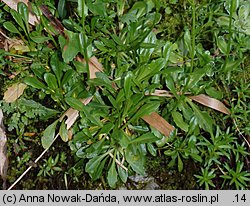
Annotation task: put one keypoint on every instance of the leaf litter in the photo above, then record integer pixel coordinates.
(3, 151)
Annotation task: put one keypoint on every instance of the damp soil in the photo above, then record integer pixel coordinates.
(158, 175)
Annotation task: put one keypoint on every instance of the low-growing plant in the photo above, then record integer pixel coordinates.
(50, 166)
(111, 68)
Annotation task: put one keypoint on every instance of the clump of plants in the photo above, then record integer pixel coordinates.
(116, 89)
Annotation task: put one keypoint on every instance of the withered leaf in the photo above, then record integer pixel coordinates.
(72, 115)
(159, 123)
(210, 102)
(3, 151)
(94, 66)
(14, 92)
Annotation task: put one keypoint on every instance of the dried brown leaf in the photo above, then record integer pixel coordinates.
(94, 66)
(14, 92)
(3, 151)
(159, 123)
(164, 93)
(98, 66)
(73, 114)
(13, 4)
(210, 102)
(53, 20)
(161, 93)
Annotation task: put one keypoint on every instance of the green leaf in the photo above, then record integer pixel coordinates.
(99, 170)
(24, 12)
(80, 67)
(170, 152)
(123, 174)
(152, 149)
(99, 45)
(179, 121)
(103, 80)
(212, 92)
(18, 18)
(93, 165)
(150, 69)
(81, 3)
(61, 8)
(171, 85)
(232, 65)
(187, 41)
(34, 82)
(85, 45)
(135, 159)
(67, 76)
(146, 109)
(78, 105)
(244, 12)
(145, 138)
(50, 79)
(10, 27)
(75, 103)
(56, 66)
(98, 8)
(167, 49)
(162, 141)
(95, 149)
(124, 141)
(49, 135)
(222, 44)
(107, 128)
(71, 47)
(127, 84)
(117, 39)
(63, 132)
(34, 107)
(203, 119)
(91, 116)
(58, 169)
(112, 174)
(196, 157)
(39, 39)
(223, 21)
(195, 77)
(180, 164)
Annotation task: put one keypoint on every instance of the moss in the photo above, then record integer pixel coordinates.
(173, 20)
(169, 178)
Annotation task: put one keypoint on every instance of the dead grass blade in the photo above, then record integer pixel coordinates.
(119, 163)
(210, 102)
(161, 93)
(159, 123)
(3, 151)
(164, 93)
(14, 92)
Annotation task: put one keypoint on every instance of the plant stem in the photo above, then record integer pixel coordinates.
(82, 36)
(193, 35)
(232, 5)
